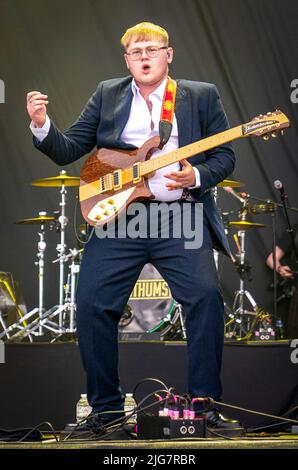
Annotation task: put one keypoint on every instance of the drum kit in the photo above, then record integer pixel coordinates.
(59, 319)
(170, 323)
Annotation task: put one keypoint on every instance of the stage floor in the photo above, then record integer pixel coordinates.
(249, 443)
(43, 382)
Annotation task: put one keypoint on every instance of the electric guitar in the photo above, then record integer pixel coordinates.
(111, 179)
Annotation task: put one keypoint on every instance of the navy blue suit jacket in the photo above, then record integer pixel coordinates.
(199, 114)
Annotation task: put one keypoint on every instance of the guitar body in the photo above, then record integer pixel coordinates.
(99, 208)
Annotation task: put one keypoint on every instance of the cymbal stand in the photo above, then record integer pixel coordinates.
(215, 252)
(232, 319)
(61, 247)
(40, 263)
(231, 322)
(61, 250)
(239, 297)
(70, 291)
(27, 328)
(68, 324)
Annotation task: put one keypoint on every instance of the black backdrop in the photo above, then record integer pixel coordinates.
(64, 47)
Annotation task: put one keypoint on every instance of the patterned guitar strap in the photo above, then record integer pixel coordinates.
(167, 112)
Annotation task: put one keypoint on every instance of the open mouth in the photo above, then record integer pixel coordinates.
(146, 68)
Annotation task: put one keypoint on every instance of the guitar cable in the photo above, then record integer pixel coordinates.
(79, 240)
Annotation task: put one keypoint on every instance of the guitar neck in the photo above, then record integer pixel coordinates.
(188, 151)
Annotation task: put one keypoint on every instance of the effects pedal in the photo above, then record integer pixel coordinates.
(163, 427)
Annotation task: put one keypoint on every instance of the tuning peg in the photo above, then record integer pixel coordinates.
(266, 137)
(269, 114)
(273, 134)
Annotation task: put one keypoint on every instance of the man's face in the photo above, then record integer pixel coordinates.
(148, 71)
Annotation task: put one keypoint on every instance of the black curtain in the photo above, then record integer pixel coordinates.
(64, 47)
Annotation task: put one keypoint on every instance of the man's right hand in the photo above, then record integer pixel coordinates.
(285, 271)
(36, 107)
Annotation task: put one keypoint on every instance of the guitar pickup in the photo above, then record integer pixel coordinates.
(117, 177)
(136, 178)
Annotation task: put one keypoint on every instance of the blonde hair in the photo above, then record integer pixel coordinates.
(145, 31)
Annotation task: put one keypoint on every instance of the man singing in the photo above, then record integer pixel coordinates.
(124, 113)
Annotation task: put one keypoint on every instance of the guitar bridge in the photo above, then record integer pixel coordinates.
(105, 183)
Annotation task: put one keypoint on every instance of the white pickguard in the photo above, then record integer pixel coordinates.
(109, 207)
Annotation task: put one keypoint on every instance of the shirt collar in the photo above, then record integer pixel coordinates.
(159, 92)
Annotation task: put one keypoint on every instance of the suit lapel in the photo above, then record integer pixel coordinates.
(122, 107)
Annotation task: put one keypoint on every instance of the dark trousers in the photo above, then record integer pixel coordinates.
(109, 271)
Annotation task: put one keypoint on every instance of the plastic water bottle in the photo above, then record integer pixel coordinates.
(83, 409)
(129, 406)
(280, 333)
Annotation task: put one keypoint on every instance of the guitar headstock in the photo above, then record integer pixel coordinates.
(266, 125)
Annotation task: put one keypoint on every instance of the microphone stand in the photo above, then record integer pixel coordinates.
(274, 264)
(284, 197)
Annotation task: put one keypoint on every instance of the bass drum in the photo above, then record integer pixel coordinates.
(150, 305)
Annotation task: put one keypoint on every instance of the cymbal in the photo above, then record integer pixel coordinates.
(57, 181)
(244, 224)
(42, 219)
(231, 184)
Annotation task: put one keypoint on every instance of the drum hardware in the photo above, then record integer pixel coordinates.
(22, 327)
(58, 222)
(151, 310)
(243, 269)
(245, 225)
(239, 318)
(261, 327)
(215, 252)
(223, 184)
(9, 299)
(262, 208)
(269, 206)
(68, 309)
(232, 324)
(286, 288)
(126, 317)
(246, 325)
(70, 290)
(172, 326)
(62, 181)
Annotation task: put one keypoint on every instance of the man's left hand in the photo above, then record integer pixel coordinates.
(185, 178)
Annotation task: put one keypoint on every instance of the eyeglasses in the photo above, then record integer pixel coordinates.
(152, 51)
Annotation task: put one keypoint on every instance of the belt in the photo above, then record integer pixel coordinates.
(185, 197)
